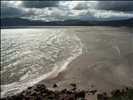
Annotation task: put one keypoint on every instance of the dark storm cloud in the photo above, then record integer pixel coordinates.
(57, 10)
(115, 5)
(11, 12)
(7, 10)
(40, 4)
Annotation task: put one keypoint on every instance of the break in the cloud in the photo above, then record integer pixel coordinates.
(82, 6)
(65, 10)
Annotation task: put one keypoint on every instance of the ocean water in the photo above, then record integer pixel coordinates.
(29, 55)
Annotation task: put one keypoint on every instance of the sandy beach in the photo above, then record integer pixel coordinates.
(66, 50)
(85, 78)
(92, 72)
(88, 75)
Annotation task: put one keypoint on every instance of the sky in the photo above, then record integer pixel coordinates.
(66, 10)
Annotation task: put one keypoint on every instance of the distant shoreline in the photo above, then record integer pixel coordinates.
(12, 27)
(26, 22)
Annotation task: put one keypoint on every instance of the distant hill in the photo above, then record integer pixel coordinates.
(128, 22)
(26, 22)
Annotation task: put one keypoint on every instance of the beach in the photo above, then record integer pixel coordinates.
(104, 65)
(83, 72)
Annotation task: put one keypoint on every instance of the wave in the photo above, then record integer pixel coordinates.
(51, 54)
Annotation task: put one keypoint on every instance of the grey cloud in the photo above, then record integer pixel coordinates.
(115, 5)
(39, 4)
(7, 10)
(81, 6)
(11, 12)
(80, 11)
(4, 4)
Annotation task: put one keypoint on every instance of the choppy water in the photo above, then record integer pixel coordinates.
(29, 55)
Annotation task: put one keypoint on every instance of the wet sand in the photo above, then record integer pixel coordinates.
(89, 75)
(88, 82)
(85, 78)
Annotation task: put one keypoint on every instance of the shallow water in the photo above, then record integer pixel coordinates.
(29, 55)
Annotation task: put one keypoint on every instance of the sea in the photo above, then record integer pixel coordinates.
(32, 54)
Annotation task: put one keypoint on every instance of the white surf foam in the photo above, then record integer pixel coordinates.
(116, 48)
(24, 82)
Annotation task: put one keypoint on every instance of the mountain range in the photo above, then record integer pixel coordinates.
(26, 22)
